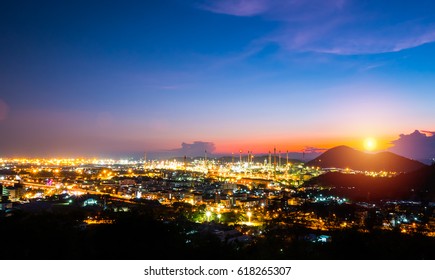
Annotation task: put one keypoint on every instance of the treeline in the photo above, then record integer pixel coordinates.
(138, 235)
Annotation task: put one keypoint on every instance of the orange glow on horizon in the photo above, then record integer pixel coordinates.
(263, 147)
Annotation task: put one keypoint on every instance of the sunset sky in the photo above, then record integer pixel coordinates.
(93, 78)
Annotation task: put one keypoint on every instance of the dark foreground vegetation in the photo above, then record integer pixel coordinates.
(140, 235)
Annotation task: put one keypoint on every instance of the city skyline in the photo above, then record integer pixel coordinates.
(99, 79)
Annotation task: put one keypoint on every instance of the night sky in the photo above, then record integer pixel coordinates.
(91, 78)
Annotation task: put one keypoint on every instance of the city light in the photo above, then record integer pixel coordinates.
(221, 189)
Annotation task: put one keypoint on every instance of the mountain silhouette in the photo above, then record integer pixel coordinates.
(346, 157)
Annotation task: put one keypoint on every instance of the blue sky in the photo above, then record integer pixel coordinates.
(101, 77)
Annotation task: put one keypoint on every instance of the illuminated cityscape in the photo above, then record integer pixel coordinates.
(238, 202)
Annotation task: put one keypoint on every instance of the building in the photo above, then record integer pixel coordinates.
(5, 203)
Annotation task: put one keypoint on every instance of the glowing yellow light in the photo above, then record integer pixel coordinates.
(208, 214)
(370, 144)
(249, 214)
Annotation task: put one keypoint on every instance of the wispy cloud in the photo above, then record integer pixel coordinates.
(285, 10)
(343, 27)
(236, 7)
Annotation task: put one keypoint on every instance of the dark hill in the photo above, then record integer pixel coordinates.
(346, 157)
(418, 185)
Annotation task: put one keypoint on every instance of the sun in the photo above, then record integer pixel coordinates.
(370, 144)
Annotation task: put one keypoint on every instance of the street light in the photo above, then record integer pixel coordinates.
(208, 214)
(249, 216)
(219, 217)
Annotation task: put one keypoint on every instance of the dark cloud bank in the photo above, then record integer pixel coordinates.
(419, 145)
(195, 149)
